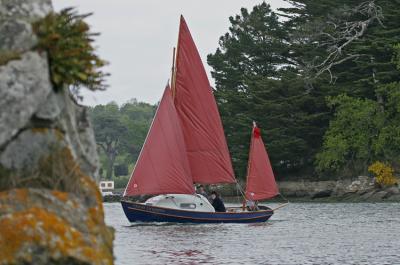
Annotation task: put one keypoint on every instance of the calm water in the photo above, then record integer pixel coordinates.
(301, 233)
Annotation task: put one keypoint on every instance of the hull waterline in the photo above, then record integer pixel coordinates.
(138, 212)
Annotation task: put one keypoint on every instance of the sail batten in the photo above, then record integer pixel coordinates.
(260, 177)
(162, 166)
(206, 146)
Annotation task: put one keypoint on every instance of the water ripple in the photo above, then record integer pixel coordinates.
(302, 233)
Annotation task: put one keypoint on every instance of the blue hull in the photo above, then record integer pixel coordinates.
(137, 212)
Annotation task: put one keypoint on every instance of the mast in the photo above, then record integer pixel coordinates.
(173, 72)
(174, 56)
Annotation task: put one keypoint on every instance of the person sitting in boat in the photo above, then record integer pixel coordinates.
(202, 191)
(251, 205)
(217, 203)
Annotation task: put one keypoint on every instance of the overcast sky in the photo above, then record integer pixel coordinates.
(137, 37)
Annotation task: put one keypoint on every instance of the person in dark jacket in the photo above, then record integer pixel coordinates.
(202, 191)
(217, 203)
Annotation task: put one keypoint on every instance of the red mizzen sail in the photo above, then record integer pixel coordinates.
(205, 141)
(162, 166)
(260, 177)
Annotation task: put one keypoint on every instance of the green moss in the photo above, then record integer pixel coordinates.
(6, 56)
(69, 44)
(40, 130)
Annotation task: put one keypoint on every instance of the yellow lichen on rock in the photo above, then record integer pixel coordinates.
(40, 130)
(20, 195)
(34, 226)
(90, 186)
(44, 229)
(62, 196)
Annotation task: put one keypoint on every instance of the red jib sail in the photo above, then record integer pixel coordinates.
(162, 166)
(260, 177)
(207, 150)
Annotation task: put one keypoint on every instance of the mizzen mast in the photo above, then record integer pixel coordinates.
(173, 72)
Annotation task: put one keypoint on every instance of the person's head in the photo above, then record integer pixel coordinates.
(214, 194)
(201, 188)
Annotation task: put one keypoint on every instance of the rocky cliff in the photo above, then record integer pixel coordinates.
(50, 208)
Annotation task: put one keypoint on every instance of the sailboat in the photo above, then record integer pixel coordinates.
(186, 145)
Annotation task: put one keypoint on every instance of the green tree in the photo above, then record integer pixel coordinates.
(363, 131)
(346, 45)
(136, 118)
(388, 142)
(257, 79)
(348, 143)
(121, 131)
(109, 131)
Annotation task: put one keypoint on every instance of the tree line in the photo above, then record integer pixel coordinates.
(120, 132)
(321, 78)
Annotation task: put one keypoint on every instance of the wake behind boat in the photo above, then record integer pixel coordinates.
(186, 145)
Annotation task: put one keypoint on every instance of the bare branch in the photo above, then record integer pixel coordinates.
(339, 33)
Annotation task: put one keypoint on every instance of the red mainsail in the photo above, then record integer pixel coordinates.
(205, 141)
(162, 166)
(260, 177)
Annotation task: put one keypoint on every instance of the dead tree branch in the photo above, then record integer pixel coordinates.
(338, 33)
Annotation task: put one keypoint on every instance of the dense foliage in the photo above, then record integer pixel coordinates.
(350, 141)
(257, 79)
(320, 77)
(384, 173)
(120, 132)
(67, 39)
(362, 131)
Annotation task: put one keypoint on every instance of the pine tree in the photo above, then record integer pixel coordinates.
(370, 54)
(257, 79)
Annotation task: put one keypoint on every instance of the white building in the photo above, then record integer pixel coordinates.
(106, 187)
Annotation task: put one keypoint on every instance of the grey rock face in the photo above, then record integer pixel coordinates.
(367, 195)
(22, 9)
(28, 147)
(16, 35)
(51, 107)
(394, 198)
(362, 183)
(75, 122)
(393, 190)
(305, 188)
(322, 194)
(378, 195)
(50, 206)
(24, 86)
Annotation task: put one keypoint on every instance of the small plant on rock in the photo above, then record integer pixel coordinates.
(67, 39)
(6, 56)
(384, 173)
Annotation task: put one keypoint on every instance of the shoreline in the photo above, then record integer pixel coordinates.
(360, 189)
